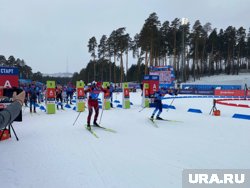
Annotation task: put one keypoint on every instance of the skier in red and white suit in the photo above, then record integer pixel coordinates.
(94, 90)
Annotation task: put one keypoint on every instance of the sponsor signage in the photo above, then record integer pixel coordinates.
(80, 96)
(229, 92)
(51, 97)
(197, 92)
(106, 96)
(165, 73)
(204, 92)
(125, 96)
(145, 96)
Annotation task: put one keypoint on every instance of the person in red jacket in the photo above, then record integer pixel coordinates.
(59, 99)
(94, 90)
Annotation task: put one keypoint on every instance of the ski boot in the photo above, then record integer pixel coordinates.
(96, 124)
(152, 117)
(88, 126)
(159, 118)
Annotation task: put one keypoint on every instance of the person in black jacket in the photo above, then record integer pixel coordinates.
(59, 98)
(32, 97)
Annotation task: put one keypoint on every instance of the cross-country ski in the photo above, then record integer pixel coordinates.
(91, 131)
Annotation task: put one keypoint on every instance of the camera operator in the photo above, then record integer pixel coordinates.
(11, 112)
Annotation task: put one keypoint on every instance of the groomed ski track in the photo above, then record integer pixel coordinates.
(51, 152)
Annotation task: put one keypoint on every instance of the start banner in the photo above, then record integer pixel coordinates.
(153, 84)
(9, 77)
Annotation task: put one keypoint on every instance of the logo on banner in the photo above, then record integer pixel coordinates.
(126, 93)
(107, 95)
(80, 92)
(51, 93)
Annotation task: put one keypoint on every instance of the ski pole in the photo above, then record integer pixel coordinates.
(171, 103)
(77, 118)
(101, 117)
(142, 108)
(103, 106)
(176, 93)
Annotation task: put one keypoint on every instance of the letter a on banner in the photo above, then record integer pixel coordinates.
(7, 84)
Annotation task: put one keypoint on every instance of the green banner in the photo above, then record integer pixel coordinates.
(125, 96)
(80, 106)
(80, 103)
(105, 85)
(106, 96)
(146, 86)
(51, 84)
(125, 85)
(80, 84)
(145, 98)
(50, 103)
(126, 104)
(51, 108)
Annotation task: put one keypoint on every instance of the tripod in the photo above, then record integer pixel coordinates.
(9, 127)
(214, 107)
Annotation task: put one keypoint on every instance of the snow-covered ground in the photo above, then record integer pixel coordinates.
(241, 79)
(51, 152)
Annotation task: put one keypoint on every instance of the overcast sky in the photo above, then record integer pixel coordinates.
(49, 33)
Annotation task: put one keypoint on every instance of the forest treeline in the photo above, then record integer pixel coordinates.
(25, 71)
(194, 51)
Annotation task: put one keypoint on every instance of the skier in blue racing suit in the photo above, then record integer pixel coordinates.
(158, 96)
